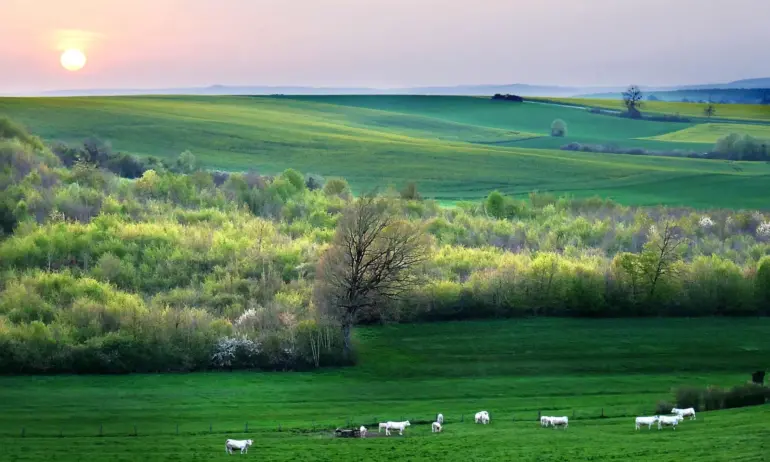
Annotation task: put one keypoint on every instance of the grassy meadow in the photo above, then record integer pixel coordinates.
(455, 148)
(513, 369)
(738, 112)
(710, 133)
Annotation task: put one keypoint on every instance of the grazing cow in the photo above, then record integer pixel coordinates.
(435, 427)
(669, 421)
(400, 426)
(362, 430)
(649, 421)
(243, 445)
(440, 418)
(689, 412)
(482, 417)
(382, 425)
(559, 421)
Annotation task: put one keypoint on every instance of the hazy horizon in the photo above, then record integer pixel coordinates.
(155, 44)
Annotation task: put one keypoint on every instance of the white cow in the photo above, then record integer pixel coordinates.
(440, 418)
(243, 445)
(669, 421)
(559, 421)
(482, 417)
(382, 425)
(400, 426)
(649, 421)
(436, 427)
(689, 412)
(362, 430)
(545, 421)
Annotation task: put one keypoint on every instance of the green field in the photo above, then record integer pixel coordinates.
(710, 133)
(455, 148)
(513, 369)
(746, 112)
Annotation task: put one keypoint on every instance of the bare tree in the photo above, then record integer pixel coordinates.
(709, 110)
(660, 255)
(371, 262)
(632, 100)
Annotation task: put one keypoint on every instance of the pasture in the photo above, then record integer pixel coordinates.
(738, 112)
(710, 133)
(513, 369)
(455, 148)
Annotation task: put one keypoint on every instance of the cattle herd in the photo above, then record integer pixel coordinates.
(482, 417)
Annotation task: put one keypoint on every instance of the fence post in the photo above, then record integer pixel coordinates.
(602, 412)
(573, 414)
(61, 433)
(135, 432)
(279, 426)
(101, 430)
(314, 425)
(348, 425)
(462, 417)
(247, 428)
(23, 431)
(539, 415)
(210, 428)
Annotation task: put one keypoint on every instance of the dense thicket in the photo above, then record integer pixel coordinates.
(184, 269)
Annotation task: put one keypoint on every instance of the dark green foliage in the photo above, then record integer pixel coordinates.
(742, 147)
(716, 398)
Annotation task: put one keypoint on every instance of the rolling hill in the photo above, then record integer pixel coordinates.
(455, 148)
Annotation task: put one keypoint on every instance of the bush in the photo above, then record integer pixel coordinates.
(559, 128)
(664, 407)
(336, 187)
(688, 397)
(715, 398)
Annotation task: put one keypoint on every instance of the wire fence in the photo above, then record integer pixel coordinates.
(126, 429)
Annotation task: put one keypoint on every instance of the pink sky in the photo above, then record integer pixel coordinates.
(382, 43)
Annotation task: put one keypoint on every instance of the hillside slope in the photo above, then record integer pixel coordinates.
(455, 147)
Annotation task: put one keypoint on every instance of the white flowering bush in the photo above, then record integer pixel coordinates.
(764, 229)
(249, 320)
(706, 222)
(235, 352)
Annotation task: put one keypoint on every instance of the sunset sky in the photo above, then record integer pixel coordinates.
(380, 43)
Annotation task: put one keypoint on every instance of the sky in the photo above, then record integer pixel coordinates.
(381, 43)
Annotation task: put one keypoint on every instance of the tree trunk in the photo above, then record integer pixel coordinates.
(347, 348)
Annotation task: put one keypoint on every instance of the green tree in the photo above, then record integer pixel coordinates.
(558, 128)
(495, 205)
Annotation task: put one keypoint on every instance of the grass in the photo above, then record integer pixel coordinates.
(710, 133)
(746, 112)
(455, 148)
(511, 368)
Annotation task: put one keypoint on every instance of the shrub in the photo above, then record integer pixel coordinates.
(715, 398)
(664, 407)
(336, 187)
(559, 128)
(688, 397)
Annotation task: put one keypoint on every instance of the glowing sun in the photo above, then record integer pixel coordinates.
(73, 60)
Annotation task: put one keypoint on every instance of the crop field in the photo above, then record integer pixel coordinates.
(710, 133)
(746, 112)
(454, 148)
(513, 369)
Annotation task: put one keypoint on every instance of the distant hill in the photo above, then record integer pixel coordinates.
(745, 84)
(470, 90)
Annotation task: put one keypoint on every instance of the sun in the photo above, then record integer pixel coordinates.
(73, 59)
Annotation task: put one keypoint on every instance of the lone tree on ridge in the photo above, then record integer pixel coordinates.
(632, 100)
